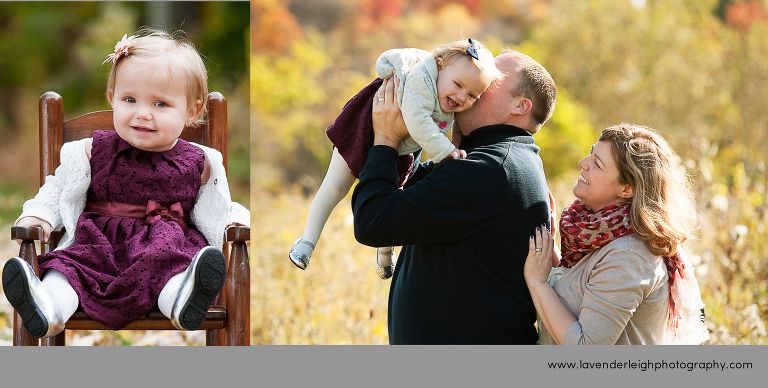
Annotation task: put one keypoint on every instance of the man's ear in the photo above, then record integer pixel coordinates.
(521, 106)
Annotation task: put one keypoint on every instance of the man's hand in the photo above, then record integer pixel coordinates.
(34, 221)
(388, 125)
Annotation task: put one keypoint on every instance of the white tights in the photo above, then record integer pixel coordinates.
(63, 294)
(336, 184)
(66, 298)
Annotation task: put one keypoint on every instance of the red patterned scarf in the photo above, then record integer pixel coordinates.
(583, 230)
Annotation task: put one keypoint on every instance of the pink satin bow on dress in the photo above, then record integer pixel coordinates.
(148, 215)
(155, 212)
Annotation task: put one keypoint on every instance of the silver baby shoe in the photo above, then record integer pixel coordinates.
(203, 280)
(39, 312)
(384, 254)
(297, 258)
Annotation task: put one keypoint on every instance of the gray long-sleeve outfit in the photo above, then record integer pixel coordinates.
(417, 97)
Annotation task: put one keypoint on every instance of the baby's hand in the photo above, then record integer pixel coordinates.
(34, 221)
(456, 138)
(457, 154)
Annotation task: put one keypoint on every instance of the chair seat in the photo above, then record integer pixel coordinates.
(154, 320)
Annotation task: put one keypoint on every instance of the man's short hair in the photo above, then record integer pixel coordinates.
(535, 83)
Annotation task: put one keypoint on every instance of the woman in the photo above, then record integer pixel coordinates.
(623, 276)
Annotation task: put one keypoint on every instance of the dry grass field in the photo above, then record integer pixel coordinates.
(340, 300)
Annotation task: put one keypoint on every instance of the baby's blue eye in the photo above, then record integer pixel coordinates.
(161, 104)
(129, 99)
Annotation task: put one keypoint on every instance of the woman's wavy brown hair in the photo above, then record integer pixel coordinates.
(662, 213)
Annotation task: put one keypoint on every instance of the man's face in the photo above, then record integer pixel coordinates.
(495, 105)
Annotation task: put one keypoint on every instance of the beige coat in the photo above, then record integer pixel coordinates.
(619, 295)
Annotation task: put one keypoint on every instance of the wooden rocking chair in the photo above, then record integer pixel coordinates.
(227, 323)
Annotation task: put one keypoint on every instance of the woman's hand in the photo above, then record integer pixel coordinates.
(34, 221)
(388, 125)
(554, 315)
(538, 264)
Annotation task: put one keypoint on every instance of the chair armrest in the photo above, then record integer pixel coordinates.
(238, 233)
(27, 233)
(34, 233)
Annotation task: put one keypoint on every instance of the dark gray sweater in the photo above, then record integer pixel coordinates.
(464, 227)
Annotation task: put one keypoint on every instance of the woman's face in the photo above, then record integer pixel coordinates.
(598, 184)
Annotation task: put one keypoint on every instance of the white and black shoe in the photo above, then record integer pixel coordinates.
(385, 254)
(298, 258)
(39, 312)
(202, 282)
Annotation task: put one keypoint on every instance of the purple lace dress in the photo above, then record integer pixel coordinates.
(117, 265)
(352, 133)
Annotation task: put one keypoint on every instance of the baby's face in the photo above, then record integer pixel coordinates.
(151, 109)
(458, 85)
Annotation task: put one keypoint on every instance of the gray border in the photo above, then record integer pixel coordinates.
(365, 366)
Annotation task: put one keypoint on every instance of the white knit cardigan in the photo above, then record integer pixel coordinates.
(62, 198)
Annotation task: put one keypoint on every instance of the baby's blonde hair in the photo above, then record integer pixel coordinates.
(173, 52)
(450, 52)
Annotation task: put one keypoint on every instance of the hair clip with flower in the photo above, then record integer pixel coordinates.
(472, 50)
(121, 48)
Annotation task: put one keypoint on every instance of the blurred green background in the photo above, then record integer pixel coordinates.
(697, 70)
(59, 46)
